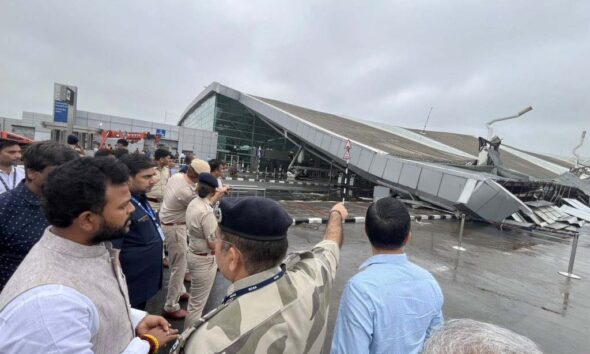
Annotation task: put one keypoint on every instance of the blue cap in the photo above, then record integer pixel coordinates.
(254, 218)
(208, 179)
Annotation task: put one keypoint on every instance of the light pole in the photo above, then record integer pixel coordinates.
(489, 124)
(577, 147)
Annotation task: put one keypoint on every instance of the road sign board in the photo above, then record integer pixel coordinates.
(348, 145)
(346, 155)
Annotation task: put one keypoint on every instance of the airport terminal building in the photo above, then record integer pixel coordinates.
(437, 167)
(261, 136)
(242, 133)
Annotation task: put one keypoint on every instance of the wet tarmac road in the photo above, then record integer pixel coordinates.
(506, 278)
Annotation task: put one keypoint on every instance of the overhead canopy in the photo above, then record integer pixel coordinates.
(425, 164)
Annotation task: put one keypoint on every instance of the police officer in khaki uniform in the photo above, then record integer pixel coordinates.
(272, 306)
(180, 191)
(201, 224)
(155, 196)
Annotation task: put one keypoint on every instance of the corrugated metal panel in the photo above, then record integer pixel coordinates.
(577, 204)
(576, 212)
(382, 140)
(469, 144)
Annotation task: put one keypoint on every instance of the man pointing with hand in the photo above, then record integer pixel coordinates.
(273, 305)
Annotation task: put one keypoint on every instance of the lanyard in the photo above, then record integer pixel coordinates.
(8, 180)
(150, 212)
(254, 287)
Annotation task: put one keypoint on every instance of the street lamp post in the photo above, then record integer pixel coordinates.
(577, 147)
(489, 124)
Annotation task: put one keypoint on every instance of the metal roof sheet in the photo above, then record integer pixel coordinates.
(390, 143)
(397, 145)
(470, 144)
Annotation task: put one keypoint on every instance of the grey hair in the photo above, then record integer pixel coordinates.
(466, 336)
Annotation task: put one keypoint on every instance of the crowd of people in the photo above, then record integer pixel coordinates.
(84, 241)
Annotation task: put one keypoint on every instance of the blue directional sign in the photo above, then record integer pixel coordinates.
(60, 111)
(161, 132)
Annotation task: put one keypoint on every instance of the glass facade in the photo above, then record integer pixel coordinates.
(202, 117)
(241, 133)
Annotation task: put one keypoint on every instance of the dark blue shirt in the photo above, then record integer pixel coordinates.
(22, 224)
(141, 254)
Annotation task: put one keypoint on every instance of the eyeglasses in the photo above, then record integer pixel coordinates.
(213, 237)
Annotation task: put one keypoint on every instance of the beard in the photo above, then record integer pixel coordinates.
(109, 232)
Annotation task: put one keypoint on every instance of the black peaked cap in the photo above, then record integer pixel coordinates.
(208, 179)
(254, 218)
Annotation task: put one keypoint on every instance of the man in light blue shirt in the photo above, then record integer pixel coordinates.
(392, 305)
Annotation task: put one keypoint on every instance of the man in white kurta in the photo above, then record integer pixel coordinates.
(69, 293)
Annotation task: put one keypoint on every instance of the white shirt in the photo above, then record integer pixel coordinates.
(12, 179)
(56, 319)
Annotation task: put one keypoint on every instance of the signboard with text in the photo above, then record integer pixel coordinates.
(60, 111)
(65, 98)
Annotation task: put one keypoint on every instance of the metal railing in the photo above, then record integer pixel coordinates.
(236, 191)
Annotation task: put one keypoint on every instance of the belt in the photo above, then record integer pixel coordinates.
(174, 223)
(205, 253)
(153, 200)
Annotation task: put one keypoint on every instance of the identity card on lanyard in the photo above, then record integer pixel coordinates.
(150, 212)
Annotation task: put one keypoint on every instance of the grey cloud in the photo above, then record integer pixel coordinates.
(379, 60)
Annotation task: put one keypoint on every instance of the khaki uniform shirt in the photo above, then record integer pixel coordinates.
(286, 316)
(178, 194)
(200, 223)
(161, 178)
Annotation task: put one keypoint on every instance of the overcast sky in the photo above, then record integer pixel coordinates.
(386, 61)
